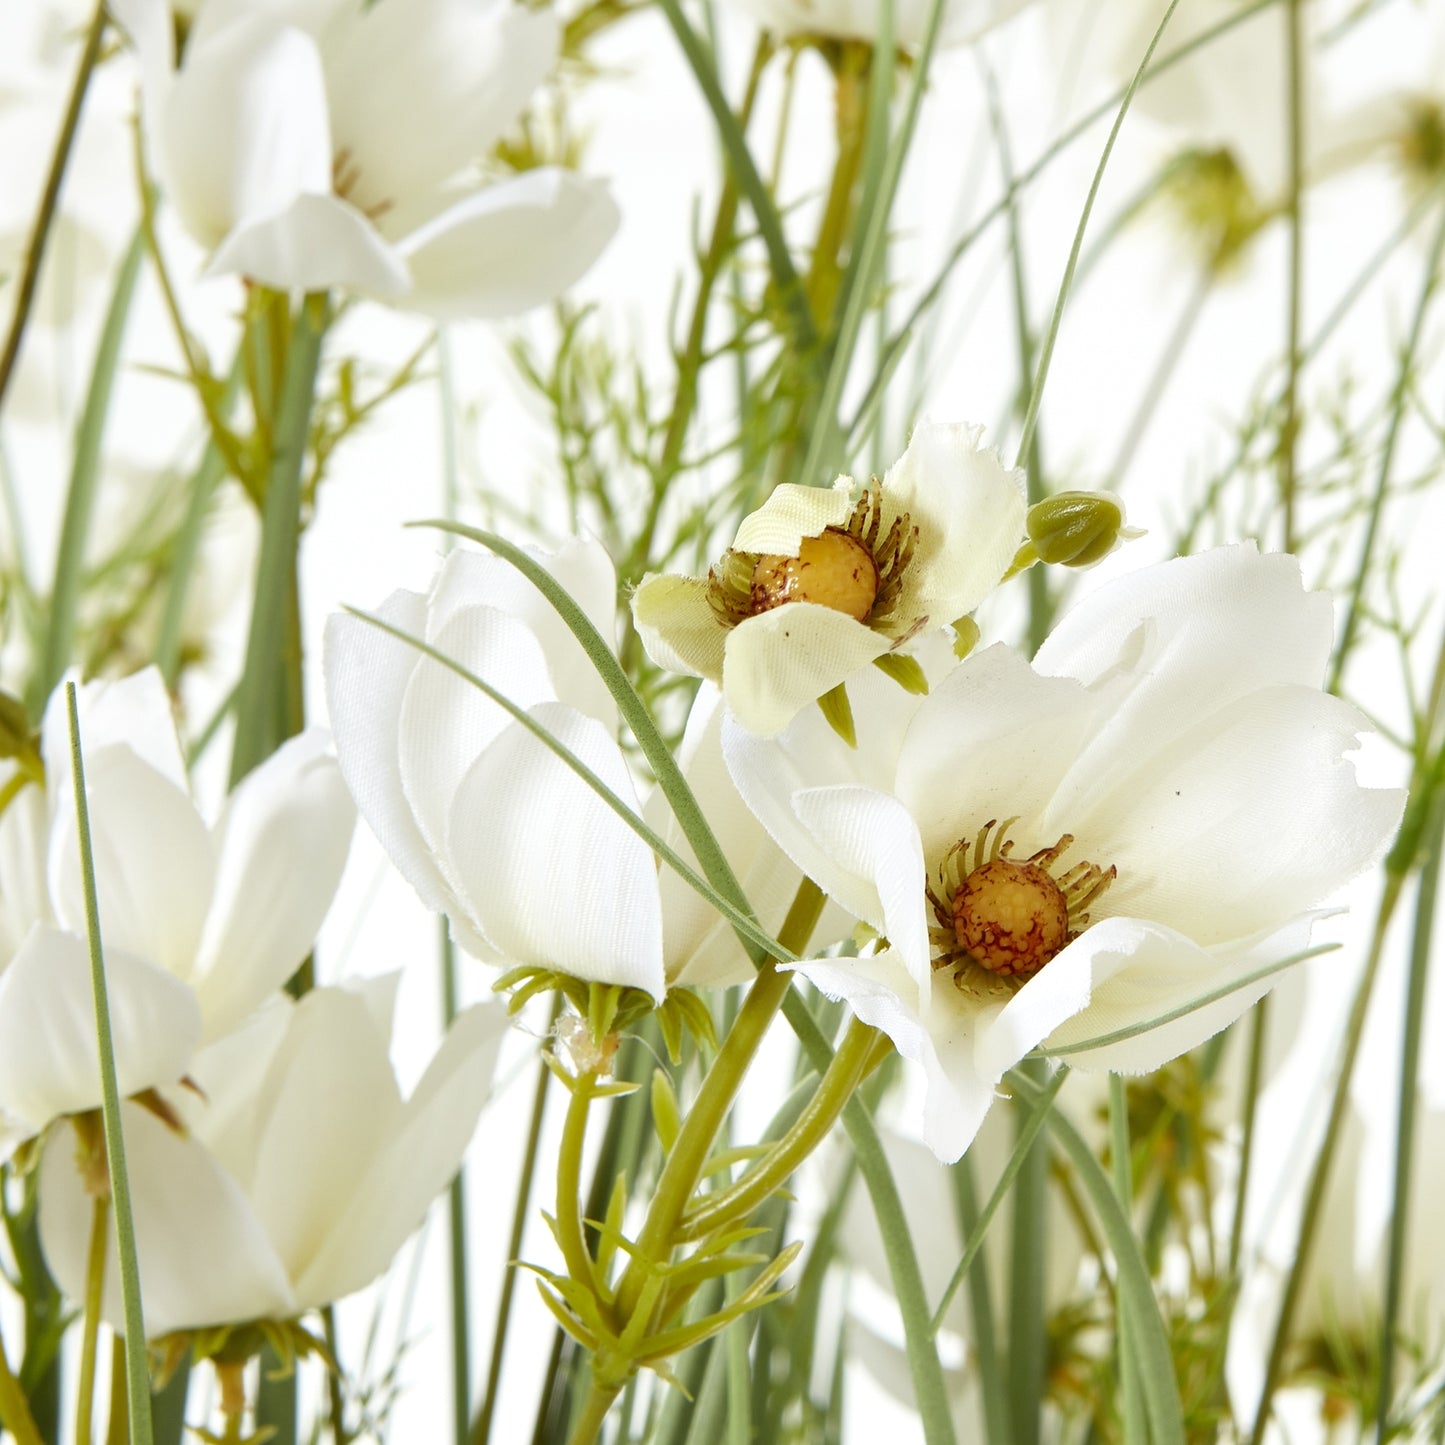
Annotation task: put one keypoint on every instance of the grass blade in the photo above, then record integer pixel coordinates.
(138, 1385)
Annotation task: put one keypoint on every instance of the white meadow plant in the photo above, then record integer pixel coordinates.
(203, 921)
(1070, 852)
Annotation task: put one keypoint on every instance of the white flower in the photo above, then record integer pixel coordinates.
(528, 863)
(963, 20)
(818, 582)
(300, 1171)
(320, 143)
(1172, 733)
(200, 923)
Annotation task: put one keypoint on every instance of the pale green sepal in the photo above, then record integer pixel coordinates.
(965, 637)
(666, 1116)
(906, 671)
(836, 708)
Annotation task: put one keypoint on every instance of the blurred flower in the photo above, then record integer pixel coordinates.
(319, 143)
(200, 923)
(300, 1169)
(529, 865)
(1058, 853)
(963, 20)
(820, 582)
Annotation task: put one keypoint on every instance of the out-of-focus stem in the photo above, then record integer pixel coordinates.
(90, 1330)
(50, 198)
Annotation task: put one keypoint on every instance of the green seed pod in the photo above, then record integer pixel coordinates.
(1077, 529)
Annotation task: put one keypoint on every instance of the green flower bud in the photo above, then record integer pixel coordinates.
(1077, 529)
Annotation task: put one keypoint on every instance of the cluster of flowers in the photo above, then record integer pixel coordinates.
(1102, 851)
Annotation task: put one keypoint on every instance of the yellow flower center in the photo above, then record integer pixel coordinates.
(835, 570)
(851, 569)
(1009, 918)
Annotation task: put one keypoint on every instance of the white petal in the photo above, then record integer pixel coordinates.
(49, 1058)
(244, 129)
(24, 897)
(552, 875)
(420, 87)
(990, 742)
(133, 712)
(154, 863)
(1251, 817)
(678, 626)
(413, 1165)
(1142, 971)
(281, 846)
(331, 1100)
(582, 566)
(781, 661)
(1167, 644)
(876, 871)
(313, 243)
(793, 513)
(446, 722)
(969, 513)
(203, 1257)
(509, 247)
(366, 672)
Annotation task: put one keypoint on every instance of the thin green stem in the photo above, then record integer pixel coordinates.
(978, 1230)
(482, 1427)
(1253, 1080)
(50, 198)
(1136, 1430)
(1399, 396)
(1289, 437)
(1041, 376)
(1412, 1032)
(15, 1413)
(137, 1372)
(850, 1063)
(90, 1329)
(570, 1237)
(84, 485)
(268, 702)
(457, 1226)
(1028, 1267)
(1317, 1187)
(694, 1143)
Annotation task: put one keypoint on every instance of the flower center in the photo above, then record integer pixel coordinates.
(835, 570)
(1004, 916)
(846, 568)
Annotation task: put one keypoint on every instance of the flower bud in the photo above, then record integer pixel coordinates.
(1077, 529)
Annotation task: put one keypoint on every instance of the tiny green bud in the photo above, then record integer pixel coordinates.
(1077, 529)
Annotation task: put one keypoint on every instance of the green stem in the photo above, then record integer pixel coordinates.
(1411, 1032)
(694, 1143)
(850, 1063)
(482, 1427)
(90, 1331)
(594, 1412)
(15, 1413)
(1136, 1431)
(850, 102)
(1398, 400)
(457, 1230)
(50, 198)
(1319, 1176)
(569, 1182)
(1027, 1272)
(266, 705)
(84, 484)
(1258, 1030)
(138, 1387)
(1289, 438)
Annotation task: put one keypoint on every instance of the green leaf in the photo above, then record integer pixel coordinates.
(666, 1116)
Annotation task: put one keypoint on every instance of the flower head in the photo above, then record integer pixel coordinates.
(201, 923)
(320, 143)
(1167, 787)
(820, 582)
(300, 1169)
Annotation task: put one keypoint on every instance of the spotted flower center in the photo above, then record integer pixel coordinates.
(1006, 916)
(851, 569)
